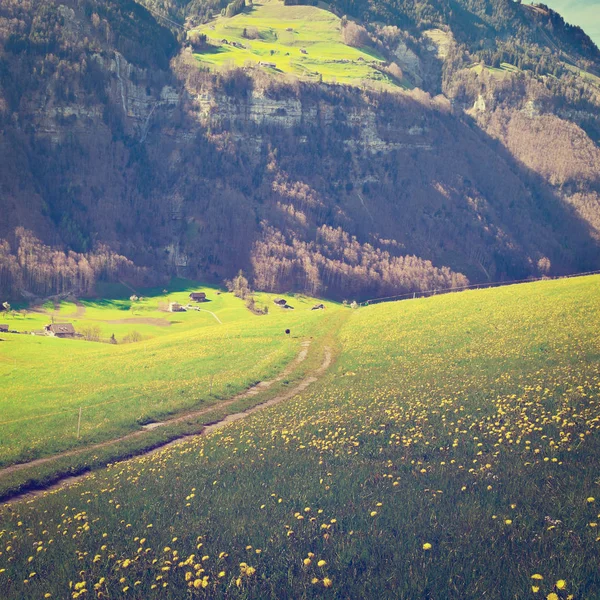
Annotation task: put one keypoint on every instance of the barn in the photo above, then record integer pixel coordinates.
(198, 297)
(61, 330)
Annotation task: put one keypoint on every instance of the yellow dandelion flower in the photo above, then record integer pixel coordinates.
(535, 589)
(537, 576)
(508, 521)
(327, 582)
(307, 561)
(552, 596)
(591, 499)
(198, 583)
(322, 563)
(373, 513)
(427, 546)
(561, 584)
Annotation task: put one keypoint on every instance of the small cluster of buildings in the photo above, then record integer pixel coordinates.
(234, 44)
(59, 330)
(282, 302)
(194, 297)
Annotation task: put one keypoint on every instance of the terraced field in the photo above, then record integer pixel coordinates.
(305, 41)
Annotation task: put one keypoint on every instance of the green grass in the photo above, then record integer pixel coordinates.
(505, 70)
(451, 452)
(122, 387)
(313, 29)
(589, 77)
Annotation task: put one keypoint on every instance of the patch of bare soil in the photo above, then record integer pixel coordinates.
(141, 320)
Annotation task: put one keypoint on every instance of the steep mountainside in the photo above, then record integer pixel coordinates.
(118, 146)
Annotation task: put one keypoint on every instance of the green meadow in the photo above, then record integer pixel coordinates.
(183, 361)
(279, 34)
(451, 451)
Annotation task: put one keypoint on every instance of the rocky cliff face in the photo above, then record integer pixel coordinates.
(364, 130)
(127, 92)
(310, 186)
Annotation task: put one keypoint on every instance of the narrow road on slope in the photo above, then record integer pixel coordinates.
(213, 314)
(263, 385)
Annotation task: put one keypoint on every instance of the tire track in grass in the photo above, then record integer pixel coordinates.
(208, 428)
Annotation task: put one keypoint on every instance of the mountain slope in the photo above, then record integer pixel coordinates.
(122, 142)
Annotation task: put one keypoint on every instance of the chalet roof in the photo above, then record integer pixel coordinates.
(3, 327)
(197, 295)
(60, 328)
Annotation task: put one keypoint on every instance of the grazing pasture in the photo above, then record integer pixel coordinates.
(305, 41)
(182, 362)
(451, 452)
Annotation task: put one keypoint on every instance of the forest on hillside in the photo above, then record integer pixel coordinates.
(118, 145)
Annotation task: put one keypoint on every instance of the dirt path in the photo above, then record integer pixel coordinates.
(213, 314)
(254, 390)
(78, 314)
(141, 320)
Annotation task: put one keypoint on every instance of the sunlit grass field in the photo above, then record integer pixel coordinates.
(283, 31)
(451, 452)
(184, 361)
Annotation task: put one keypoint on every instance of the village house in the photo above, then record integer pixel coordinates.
(176, 307)
(60, 330)
(3, 328)
(198, 297)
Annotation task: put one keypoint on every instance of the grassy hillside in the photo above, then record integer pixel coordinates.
(277, 34)
(184, 361)
(452, 452)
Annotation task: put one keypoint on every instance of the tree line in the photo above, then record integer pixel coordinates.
(29, 267)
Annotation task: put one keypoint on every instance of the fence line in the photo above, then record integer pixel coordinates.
(474, 286)
(60, 412)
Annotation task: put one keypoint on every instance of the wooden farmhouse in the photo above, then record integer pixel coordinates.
(176, 307)
(3, 328)
(198, 297)
(61, 330)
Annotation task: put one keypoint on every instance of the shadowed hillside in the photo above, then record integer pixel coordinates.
(121, 142)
